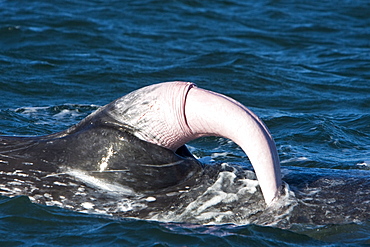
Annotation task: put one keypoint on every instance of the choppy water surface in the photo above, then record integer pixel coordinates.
(303, 67)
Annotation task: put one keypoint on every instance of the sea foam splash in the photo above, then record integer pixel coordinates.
(226, 194)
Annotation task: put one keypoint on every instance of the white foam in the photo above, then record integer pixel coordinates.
(60, 184)
(87, 205)
(281, 208)
(150, 199)
(222, 154)
(217, 194)
(297, 159)
(364, 164)
(231, 198)
(16, 173)
(212, 206)
(66, 113)
(54, 203)
(32, 109)
(15, 183)
(124, 206)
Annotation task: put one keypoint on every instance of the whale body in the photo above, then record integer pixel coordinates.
(129, 159)
(134, 148)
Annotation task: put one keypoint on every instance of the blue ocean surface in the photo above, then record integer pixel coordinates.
(302, 66)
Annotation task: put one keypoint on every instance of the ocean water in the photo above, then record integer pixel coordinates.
(302, 66)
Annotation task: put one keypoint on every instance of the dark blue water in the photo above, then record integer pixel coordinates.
(303, 67)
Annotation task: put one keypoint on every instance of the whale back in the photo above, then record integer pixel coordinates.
(101, 147)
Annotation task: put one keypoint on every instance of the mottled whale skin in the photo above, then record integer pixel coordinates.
(103, 148)
(129, 157)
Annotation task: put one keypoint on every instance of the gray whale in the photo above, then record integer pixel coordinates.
(129, 157)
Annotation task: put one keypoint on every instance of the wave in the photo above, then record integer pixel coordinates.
(42, 120)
